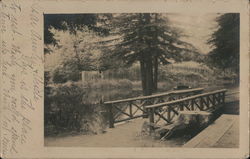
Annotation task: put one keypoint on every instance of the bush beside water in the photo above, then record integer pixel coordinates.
(66, 110)
(69, 107)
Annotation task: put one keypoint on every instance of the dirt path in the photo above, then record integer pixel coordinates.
(123, 135)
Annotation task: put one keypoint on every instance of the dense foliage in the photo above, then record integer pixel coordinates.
(72, 22)
(225, 41)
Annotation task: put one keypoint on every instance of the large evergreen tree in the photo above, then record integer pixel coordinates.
(149, 39)
(225, 41)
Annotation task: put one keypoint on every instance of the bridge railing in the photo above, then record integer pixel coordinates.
(131, 108)
(167, 111)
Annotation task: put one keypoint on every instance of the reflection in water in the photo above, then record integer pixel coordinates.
(95, 98)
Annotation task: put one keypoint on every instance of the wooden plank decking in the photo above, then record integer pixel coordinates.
(224, 132)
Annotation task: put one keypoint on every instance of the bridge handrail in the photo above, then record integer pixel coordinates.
(155, 95)
(184, 99)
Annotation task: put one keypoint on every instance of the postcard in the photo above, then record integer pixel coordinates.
(124, 79)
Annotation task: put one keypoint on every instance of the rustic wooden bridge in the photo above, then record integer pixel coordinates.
(132, 108)
(165, 106)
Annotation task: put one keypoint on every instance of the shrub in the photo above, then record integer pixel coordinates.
(59, 76)
(65, 73)
(66, 110)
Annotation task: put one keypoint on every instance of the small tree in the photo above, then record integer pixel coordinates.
(79, 52)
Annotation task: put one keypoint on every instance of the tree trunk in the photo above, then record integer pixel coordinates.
(143, 76)
(147, 64)
(155, 74)
(156, 58)
(147, 75)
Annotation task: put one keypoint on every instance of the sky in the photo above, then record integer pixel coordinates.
(198, 28)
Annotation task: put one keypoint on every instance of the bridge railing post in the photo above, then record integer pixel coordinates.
(181, 105)
(111, 116)
(201, 103)
(130, 109)
(192, 104)
(213, 100)
(168, 113)
(146, 111)
(151, 120)
(223, 98)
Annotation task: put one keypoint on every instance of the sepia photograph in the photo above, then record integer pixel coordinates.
(124, 79)
(141, 80)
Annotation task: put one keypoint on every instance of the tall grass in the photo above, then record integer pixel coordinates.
(131, 73)
(106, 84)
